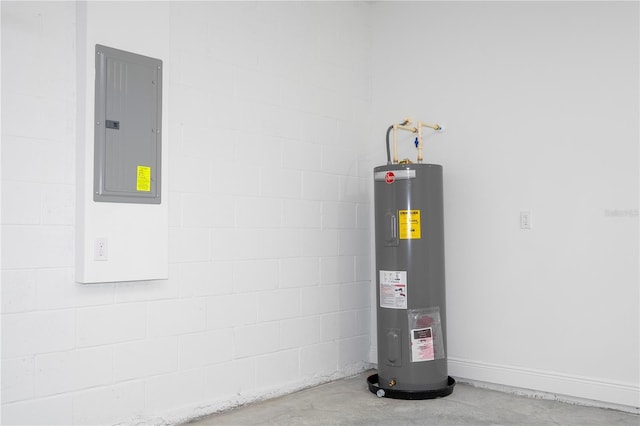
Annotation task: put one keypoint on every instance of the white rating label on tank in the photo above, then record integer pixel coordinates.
(393, 289)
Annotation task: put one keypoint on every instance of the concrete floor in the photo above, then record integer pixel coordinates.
(349, 402)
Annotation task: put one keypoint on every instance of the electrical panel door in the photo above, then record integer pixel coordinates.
(128, 114)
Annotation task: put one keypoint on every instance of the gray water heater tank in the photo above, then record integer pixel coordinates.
(410, 277)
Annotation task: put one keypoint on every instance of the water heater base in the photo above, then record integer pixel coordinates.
(372, 381)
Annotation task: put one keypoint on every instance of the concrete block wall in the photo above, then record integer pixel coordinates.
(269, 250)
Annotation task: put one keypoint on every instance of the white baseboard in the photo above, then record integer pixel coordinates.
(548, 384)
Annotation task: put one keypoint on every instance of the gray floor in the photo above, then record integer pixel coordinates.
(348, 402)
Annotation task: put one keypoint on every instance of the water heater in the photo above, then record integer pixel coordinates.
(410, 278)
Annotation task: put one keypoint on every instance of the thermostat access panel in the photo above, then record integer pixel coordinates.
(128, 114)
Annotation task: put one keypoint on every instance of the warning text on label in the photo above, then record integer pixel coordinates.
(409, 224)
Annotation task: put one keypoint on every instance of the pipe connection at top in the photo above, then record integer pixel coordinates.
(406, 126)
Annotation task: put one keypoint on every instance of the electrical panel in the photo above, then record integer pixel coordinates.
(128, 120)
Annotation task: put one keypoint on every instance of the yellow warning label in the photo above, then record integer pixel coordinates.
(409, 221)
(143, 183)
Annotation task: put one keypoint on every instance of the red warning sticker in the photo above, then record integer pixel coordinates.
(390, 177)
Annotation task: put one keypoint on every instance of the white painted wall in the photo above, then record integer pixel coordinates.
(136, 234)
(269, 264)
(540, 104)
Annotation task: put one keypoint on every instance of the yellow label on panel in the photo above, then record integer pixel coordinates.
(409, 221)
(143, 183)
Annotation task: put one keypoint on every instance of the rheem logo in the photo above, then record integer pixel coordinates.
(389, 177)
